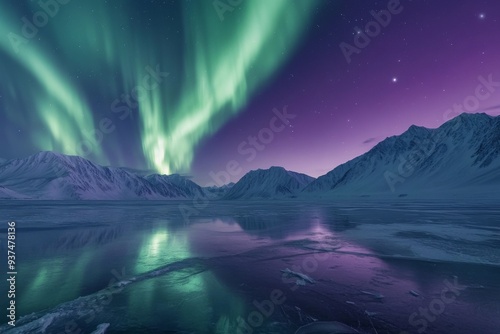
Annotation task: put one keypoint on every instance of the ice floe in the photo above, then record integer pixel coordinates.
(101, 329)
(376, 295)
(414, 293)
(302, 278)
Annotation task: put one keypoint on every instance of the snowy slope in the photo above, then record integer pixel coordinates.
(175, 186)
(9, 194)
(49, 175)
(274, 182)
(460, 158)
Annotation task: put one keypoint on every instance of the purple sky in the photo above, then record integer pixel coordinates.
(424, 62)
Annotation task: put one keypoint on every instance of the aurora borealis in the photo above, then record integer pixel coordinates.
(175, 86)
(221, 66)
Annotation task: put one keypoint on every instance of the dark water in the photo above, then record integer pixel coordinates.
(174, 268)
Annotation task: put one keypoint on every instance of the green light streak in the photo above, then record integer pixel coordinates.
(64, 113)
(226, 62)
(216, 67)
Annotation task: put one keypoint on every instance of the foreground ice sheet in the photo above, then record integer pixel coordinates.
(57, 319)
(368, 266)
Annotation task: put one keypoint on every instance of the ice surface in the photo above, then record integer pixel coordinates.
(101, 329)
(303, 278)
(361, 251)
(326, 327)
(59, 316)
(376, 295)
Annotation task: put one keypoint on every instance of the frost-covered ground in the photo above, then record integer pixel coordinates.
(256, 267)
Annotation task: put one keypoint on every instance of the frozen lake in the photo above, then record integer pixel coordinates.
(146, 267)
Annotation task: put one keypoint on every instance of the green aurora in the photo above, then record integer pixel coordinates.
(215, 64)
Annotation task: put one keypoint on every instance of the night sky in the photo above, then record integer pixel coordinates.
(183, 86)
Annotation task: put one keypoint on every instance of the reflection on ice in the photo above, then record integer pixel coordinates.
(54, 280)
(183, 293)
(159, 246)
(204, 277)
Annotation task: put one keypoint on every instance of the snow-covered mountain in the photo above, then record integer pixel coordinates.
(218, 192)
(275, 182)
(10, 194)
(460, 158)
(175, 186)
(49, 175)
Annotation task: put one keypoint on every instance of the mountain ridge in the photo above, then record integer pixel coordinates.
(275, 182)
(50, 175)
(451, 156)
(460, 155)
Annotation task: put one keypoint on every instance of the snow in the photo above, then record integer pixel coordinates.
(275, 182)
(53, 176)
(215, 192)
(459, 159)
(303, 278)
(445, 240)
(10, 194)
(101, 329)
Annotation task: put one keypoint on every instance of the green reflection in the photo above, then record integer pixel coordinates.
(56, 280)
(192, 298)
(159, 248)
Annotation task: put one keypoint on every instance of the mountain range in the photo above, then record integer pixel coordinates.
(460, 158)
(54, 176)
(274, 182)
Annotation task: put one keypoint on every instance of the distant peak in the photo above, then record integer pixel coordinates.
(270, 169)
(470, 119)
(56, 155)
(474, 115)
(47, 154)
(417, 130)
